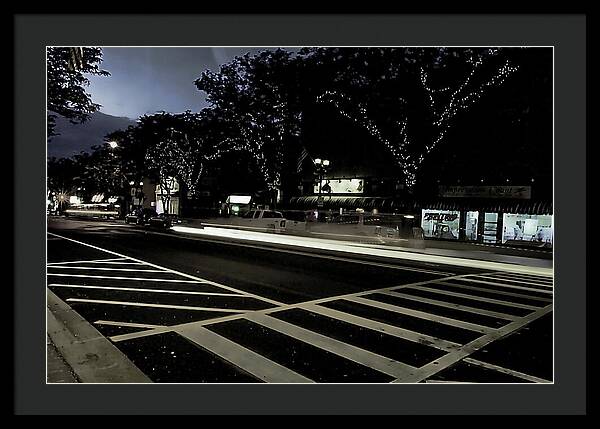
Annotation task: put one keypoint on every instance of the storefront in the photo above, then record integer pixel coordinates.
(532, 228)
(482, 220)
(167, 197)
(440, 223)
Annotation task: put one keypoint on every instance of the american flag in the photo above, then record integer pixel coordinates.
(301, 158)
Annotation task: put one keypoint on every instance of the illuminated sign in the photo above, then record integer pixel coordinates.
(442, 217)
(440, 223)
(340, 186)
(239, 199)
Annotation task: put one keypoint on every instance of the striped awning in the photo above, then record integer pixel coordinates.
(412, 205)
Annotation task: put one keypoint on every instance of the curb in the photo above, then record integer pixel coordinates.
(92, 357)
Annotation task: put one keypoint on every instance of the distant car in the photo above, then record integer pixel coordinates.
(164, 220)
(140, 216)
(262, 219)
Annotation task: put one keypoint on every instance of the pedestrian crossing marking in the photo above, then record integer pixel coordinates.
(265, 369)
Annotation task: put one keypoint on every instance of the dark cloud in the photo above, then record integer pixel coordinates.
(75, 138)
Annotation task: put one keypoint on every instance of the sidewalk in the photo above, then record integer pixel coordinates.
(58, 370)
(77, 352)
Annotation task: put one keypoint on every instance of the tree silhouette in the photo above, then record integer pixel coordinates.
(66, 82)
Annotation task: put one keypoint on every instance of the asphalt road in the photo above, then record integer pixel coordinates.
(190, 309)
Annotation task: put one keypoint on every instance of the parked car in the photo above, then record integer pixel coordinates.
(164, 220)
(140, 216)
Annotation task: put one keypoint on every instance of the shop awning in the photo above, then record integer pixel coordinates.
(411, 205)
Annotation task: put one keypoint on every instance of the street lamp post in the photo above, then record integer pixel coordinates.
(322, 165)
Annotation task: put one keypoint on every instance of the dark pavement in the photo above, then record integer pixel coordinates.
(190, 309)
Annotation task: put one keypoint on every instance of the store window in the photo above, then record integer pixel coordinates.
(471, 226)
(440, 223)
(521, 227)
(490, 228)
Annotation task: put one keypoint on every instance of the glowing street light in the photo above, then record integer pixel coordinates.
(113, 144)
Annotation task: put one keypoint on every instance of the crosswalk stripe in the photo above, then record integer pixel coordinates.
(109, 269)
(526, 277)
(146, 304)
(422, 315)
(506, 370)
(128, 278)
(475, 298)
(453, 306)
(395, 331)
(470, 280)
(178, 273)
(133, 289)
(508, 279)
(347, 351)
(499, 292)
(86, 261)
(246, 359)
(115, 263)
(126, 324)
(451, 358)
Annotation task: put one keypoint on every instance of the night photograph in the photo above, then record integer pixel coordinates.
(330, 214)
(302, 215)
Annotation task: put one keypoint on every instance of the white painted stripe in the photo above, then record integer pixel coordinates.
(145, 304)
(303, 305)
(535, 277)
(472, 280)
(476, 298)
(506, 370)
(453, 306)
(133, 289)
(245, 359)
(198, 280)
(395, 331)
(127, 324)
(421, 315)
(127, 278)
(522, 281)
(107, 269)
(519, 280)
(495, 291)
(347, 351)
(118, 263)
(451, 358)
(86, 261)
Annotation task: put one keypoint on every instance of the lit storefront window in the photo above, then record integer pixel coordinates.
(440, 223)
(521, 227)
(340, 186)
(471, 226)
(490, 228)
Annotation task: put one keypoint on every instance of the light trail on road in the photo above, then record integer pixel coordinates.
(360, 249)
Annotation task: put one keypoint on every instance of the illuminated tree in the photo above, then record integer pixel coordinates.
(407, 98)
(255, 97)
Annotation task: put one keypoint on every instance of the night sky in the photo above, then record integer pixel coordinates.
(147, 80)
